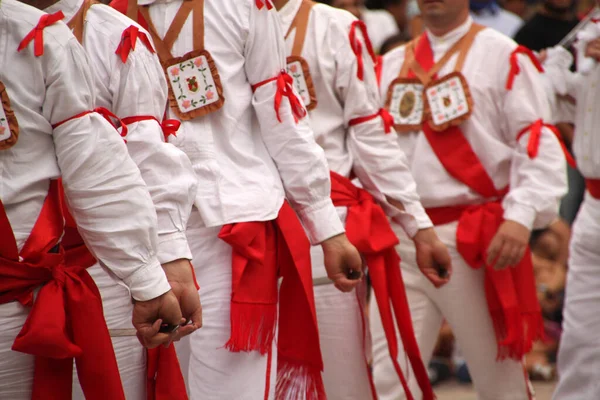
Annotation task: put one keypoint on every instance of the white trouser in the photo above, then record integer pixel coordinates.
(462, 303)
(16, 369)
(213, 372)
(346, 375)
(579, 350)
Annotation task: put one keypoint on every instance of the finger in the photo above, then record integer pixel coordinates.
(503, 256)
(196, 318)
(435, 279)
(515, 256)
(494, 250)
(345, 285)
(184, 331)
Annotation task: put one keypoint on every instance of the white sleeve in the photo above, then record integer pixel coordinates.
(104, 188)
(139, 89)
(299, 159)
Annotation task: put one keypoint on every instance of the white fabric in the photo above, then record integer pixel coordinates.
(380, 24)
(343, 336)
(212, 371)
(375, 156)
(536, 185)
(579, 350)
(87, 152)
(500, 19)
(243, 156)
(463, 304)
(587, 34)
(138, 88)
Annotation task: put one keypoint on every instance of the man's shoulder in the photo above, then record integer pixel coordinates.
(109, 22)
(495, 41)
(334, 15)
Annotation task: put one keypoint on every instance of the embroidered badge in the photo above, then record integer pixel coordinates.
(405, 104)
(298, 69)
(9, 127)
(448, 101)
(194, 85)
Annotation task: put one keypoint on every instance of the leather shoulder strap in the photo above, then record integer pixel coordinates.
(300, 23)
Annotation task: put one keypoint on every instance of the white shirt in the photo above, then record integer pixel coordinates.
(377, 159)
(138, 88)
(105, 190)
(381, 26)
(536, 186)
(243, 156)
(583, 87)
(500, 19)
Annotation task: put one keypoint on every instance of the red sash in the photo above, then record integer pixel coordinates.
(369, 230)
(593, 186)
(263, 251)
(164, 378)
(511, 293)
(66, 319)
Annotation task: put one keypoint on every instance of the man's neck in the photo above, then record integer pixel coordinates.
(439, 28)
(279, 4)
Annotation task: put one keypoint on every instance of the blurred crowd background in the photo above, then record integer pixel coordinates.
(537, 24)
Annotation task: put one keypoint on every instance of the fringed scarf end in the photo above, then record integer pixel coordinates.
(253, 327)
(298, 381)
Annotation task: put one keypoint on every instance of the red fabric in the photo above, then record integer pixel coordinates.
(107, 114)
(379, 69)
(128, 41)
(533, 144)
(37, 34)
(168, 126)
(388, 120)
(357, 46)
(262, 3)
(285, 88)
(511, 294)
(514, 64)
(262, 251)
(164, 380)
(368, 228)
(593, 186)
(66, 319)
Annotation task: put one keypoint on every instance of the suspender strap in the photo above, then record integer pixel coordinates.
(76, 23)
(300, 24)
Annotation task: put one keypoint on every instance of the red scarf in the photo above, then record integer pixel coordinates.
(262, 252)
(593, 186)
(66, 319)
(511, 293)
(164, 378)
(369, 230)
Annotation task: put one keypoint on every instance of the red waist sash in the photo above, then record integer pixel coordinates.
(66, 319)
(369, 230)
(263, 251)
(593, 186)
(510, 293)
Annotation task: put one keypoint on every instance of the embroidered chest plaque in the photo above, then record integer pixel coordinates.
(405, 104)
(448, 102)
(194, 85)
(298, 69)
(9, 127)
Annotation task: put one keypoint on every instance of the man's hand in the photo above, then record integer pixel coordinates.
(593, 49)
(149, 315)
(433, 258)
(508, 245)
(343, 262)
(183, 284)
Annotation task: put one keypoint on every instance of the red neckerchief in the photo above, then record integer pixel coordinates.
(66, 320)
(369, 230)
(262, 251)
(510, 293)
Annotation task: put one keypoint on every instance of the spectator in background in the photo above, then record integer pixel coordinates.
(380, 23)
(490, 14)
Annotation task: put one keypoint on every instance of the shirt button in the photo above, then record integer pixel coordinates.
(590, 109)
(585, 133)
(585, 158)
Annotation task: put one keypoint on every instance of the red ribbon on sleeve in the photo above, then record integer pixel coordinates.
(533, 145)
(168, 126)
(514, 64)
(262, 3)
(285, 88)
(128, 41)
(37, 34)
(108, 115)
(388, 120)
(357, 46)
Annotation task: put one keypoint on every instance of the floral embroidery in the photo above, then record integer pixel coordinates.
(193, 84)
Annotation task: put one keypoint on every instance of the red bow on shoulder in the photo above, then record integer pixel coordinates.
(514, 64)
(128, 40)
(262, 3)
(37, 34)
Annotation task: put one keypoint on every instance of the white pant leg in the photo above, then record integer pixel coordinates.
(346, 375)
(130, 354)
(463, 304)
(16, 369)
(214, 373)
(579, 350)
